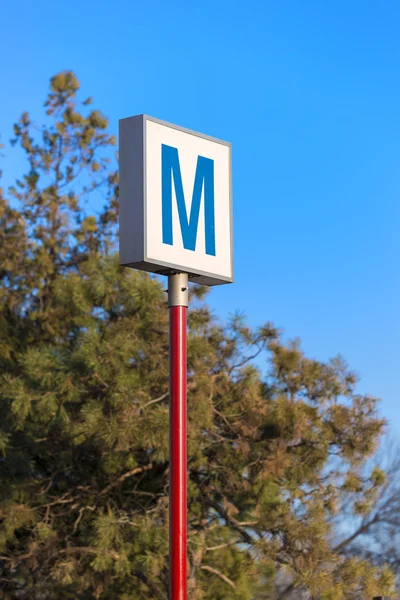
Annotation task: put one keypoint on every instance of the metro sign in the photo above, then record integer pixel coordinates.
(175, 201)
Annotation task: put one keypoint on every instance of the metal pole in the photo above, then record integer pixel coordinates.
(177, 303)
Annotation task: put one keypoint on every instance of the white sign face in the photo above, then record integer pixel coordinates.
(175, 201)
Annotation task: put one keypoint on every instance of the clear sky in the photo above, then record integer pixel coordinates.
(309, 95)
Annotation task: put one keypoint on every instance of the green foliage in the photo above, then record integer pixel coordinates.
(84, 411)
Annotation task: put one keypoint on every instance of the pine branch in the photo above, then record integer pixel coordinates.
(90, 550)
(151, 585)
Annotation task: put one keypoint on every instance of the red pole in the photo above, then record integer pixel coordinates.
(178, 302)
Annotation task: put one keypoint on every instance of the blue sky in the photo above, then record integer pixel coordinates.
(309, 95)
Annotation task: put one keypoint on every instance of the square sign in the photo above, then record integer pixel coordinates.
(175, 194)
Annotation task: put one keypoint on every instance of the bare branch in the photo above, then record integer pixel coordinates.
(364, 527)
(232, 521)
(218, 574)
(159, 399)
(212, 548)
(125, 476)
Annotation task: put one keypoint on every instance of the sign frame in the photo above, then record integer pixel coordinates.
(133, 202)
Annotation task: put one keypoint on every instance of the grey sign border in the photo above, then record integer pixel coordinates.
(197, 275)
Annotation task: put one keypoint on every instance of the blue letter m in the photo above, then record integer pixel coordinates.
(204, 177)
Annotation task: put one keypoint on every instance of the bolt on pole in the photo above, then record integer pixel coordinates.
(178, 300)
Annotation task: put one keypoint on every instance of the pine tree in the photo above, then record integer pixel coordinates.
(84, 411)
